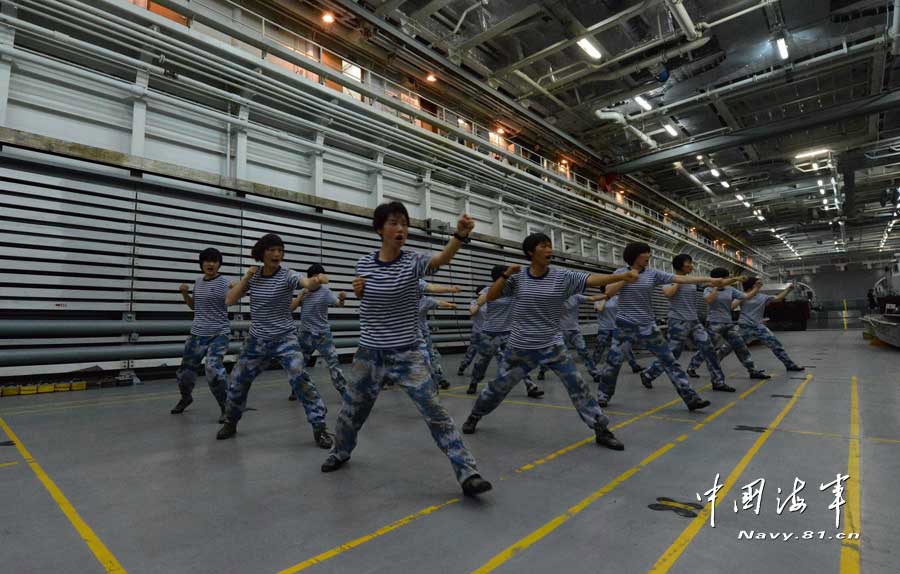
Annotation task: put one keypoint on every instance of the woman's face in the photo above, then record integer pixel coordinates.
(273, 256)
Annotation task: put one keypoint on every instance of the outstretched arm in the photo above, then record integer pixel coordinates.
(464, 226)
(599, 279)
(313, 283)
(342, 298)
(440, 289)
(186, 295)
(446, 305)
(780, 297)
(670, 290)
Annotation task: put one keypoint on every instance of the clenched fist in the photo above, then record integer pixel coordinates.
(184, 288)
(465, 225)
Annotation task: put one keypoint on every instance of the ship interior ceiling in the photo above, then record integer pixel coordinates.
(754, 142)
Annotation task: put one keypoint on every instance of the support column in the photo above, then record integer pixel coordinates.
(318, 167)
(240, 148)
(376, 182)
(425, 187)
(7, 39)
(139, 117)
(498, 222)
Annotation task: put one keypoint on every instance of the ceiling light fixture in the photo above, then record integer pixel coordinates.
(815, 166)
(501, 131)
(328, 18)
(821, 191)
(431, 78)
(725, 184)
(739, 197)
(639, 100)
(714, 172)
(812, 153)
(700, 157)
(671, 130)
(589, 48)
(782, 48)
(760, 217)
(746, 204)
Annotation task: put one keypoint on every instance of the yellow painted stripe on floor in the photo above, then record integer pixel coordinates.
(844, 314)
(850, 549)
(3, 464)
(363, 539)
(101, 552)
(669, 557)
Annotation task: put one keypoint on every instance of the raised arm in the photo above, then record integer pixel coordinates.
(186, 295)
(235, 293)
(599, 279)
(613, 290)
(496, 289)
(298, 300)
(342, 298)
(464, 226)
(711, 296)
(752, 292)
(313, 283)
(780, 297)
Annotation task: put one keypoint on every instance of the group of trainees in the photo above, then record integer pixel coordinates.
(526, 319)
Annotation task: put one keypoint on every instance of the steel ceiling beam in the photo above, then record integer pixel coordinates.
(863, 106)
(500, 27)
(428, 9)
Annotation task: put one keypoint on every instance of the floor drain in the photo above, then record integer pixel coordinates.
(749, 428)
(685, 509)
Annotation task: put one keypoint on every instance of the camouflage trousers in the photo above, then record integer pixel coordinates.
(734, 341)
(653, 341)
(515, 365)
(678, 332)
(256, 354)
(214, 349)
(434, 357)
(751, 332)
(574, 341)
(491, 345)
(604, 342)
(471, 350)
(323, 342)
(409, 369)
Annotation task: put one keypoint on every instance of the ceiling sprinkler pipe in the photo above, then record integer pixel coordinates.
(620, 119)
(683, 18)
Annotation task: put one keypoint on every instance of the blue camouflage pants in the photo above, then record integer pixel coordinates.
(653, 341)
(764, 334)
(471, 350)
(515, 365)
(492, 345)
(409, 369)
(434, 357)
(574, 341)
(678, 332)
(256, 354)
(732, 336)
(214, 349)
(604, 342)
(323, 342)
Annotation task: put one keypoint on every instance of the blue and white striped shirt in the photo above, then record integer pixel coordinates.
(606, 319)
(426, 304)
(478, 317)
(389, 310)
(569, 319)
(683, 305)
(753, 309)
(314, 310)
(498, 315)
(538, 305)
(210, 310)
(720, 308)
(270, 303)
(634, 298)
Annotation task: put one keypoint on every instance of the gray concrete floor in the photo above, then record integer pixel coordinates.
(164, 496)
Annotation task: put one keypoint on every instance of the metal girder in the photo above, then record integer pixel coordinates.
(428, 53)
(429, 9)
(723, 110)
(388, 7)
(869, 105)
(606, 24)
(500, 27)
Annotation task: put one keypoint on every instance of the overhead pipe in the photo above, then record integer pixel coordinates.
(653, 60)
(466, 13)
(895, 29)
(683, 19)
(679, 167)
(331, 108)
(619, 118)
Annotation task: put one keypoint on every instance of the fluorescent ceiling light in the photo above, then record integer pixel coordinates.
(746, 204)
(714, 172)
(639, 100)
(589, 48)
(700, 157)
(815, 166)
(820, 183)
(670, 129)
(782, 48)
(328, 18)
(812, 153)
(821, 191)
(824, 202)
(760, 217)
(726, 185)
(739, 197)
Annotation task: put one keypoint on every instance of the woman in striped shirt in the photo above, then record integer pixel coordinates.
(272, 336)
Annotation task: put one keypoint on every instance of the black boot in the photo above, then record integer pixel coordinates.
(332, 463)
(293, 397)
(473, 388)
(638, 369)
(182, 404)
(698, 403)
(444, 384)
(322, 437)
(645, 380)
(606, 438)
(470, 424)
(723, 387)
(228, 430)
(461, 372)
(692, 374)
(475, 485)
(759, 375)
(535, 393)
(796, 368)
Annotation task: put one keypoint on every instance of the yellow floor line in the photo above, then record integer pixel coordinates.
(850, 548)
(672, 554)
(520, 545)
(2, 464)
(101, 552)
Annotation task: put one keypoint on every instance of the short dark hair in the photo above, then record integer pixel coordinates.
(478, 289)
(750, 282)
(533, 241)
(209, 254)
(497, 271)
(266, 241)
(384, 211)
(679, 260)
(633, 251)
(719, 273)
(315, 269)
